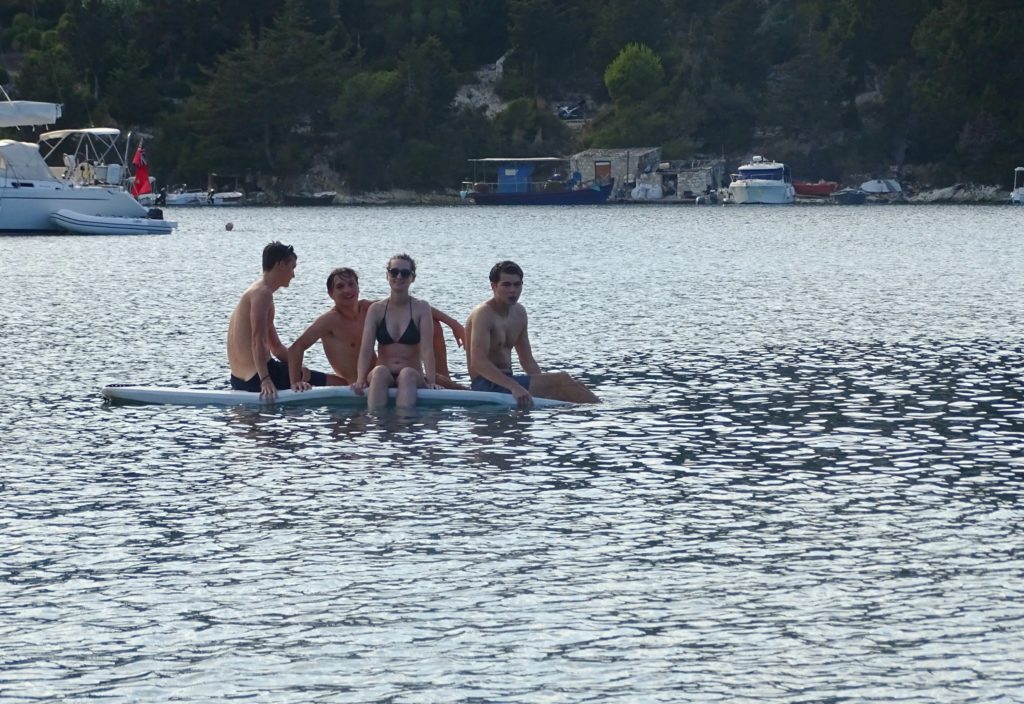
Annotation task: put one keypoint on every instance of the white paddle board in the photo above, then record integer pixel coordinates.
(319, 395)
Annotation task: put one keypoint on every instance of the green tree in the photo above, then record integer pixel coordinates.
(365, 113)
(548, 39)
(634, 75)
(263, 94)
(969, 93)
(525, 130)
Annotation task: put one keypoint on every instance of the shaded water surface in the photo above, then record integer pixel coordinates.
(804, 484)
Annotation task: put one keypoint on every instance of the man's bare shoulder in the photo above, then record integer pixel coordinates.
(481, 314)
(518, 310)
(259, 293)
(253, 293)
(326, 321)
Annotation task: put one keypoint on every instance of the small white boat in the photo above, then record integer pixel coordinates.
(1017, 194)
(184, 196)
(762, 181)
(82, 224)
(227, 198)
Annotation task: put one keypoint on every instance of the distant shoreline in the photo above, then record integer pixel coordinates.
(957, 194)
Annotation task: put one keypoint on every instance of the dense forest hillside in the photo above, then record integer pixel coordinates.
(319, 93)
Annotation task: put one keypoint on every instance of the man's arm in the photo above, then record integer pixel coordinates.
(426, 326)
(261, 313)
(458, 332)
(276, 346)
(297, 351)
(524, 351)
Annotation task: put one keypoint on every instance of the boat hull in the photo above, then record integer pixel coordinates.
(849, 196)
(583, 196)
(27, 209)
(326, 198)
(81, 224)
(820, 189)
(762, 192)
(188, 198)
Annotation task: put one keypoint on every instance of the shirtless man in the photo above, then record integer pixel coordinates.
(252, 337)
(495, 328)
(340, 330)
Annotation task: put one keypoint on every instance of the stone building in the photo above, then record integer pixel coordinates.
(621, 164)
(678, 180)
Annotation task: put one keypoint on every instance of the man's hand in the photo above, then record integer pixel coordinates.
(522, 397)
(358, 386)
(301, 386)
(268, 391)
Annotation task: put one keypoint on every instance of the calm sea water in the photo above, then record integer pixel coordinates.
(805, 483)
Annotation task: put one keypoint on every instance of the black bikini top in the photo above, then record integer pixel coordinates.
(411, 336)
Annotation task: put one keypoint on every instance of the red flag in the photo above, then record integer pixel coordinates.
(141, 183)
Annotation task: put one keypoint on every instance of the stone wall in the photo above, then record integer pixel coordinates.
(625, 163)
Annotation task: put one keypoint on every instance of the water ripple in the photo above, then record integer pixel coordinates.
(804, 484)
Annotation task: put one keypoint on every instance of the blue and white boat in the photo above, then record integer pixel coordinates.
(517, 183)
(761, 181)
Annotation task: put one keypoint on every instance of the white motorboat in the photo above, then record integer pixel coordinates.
(761, 181)
(227, 198)
(81, 224)
(88, 180)
(184, 196)
(1017, 194)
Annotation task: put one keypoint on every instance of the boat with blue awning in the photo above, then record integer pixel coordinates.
(532, 181)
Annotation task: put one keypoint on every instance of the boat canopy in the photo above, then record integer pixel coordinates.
(28, 113)
(93, 144)
(519, 160)
(85, 132)
(22, 160)
(881, 185)
(766, 173)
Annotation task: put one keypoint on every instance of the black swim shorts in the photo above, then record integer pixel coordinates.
(279, 375)
(478, 383)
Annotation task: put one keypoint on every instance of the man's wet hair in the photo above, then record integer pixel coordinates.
(412, 262)
(505, 267)
(343, 272)
(276, 252)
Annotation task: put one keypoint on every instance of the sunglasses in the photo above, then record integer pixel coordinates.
(403, 273)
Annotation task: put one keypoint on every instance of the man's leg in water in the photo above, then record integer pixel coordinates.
(561, 387)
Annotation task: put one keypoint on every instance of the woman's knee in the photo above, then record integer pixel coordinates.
(409, 376)
(382, 373)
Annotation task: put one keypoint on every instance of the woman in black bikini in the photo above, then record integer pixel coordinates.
(403, 328)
